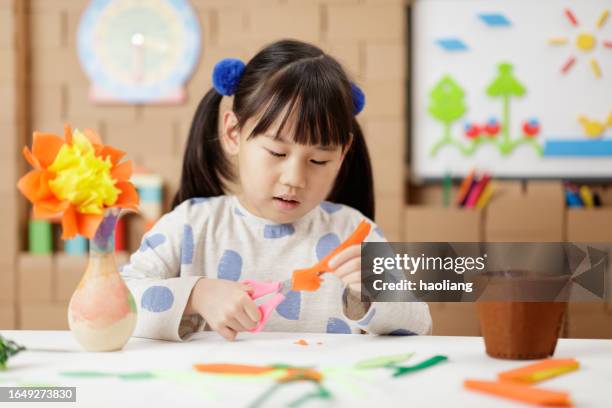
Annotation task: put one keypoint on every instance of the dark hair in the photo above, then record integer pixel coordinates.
(284, 78)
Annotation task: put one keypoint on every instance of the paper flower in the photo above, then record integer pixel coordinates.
(76, 178)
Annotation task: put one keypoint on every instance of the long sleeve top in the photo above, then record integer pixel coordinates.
(218, 238)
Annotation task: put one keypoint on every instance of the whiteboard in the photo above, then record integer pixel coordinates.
(466, 40)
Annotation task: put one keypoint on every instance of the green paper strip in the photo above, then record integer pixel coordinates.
(383, 361)
(143, 375)
(86, 374)
(399, 371)
(320, 393)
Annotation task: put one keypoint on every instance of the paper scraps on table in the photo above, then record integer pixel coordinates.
(301, 342)
(540, 371)
(400, 370)
(520, 392)
(383, 361)
(137, 375)
(233, 369)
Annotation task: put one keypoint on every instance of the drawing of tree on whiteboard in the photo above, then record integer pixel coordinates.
(447, 106)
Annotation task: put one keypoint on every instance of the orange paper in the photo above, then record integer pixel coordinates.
(308, 279)
(233, 369)
(540, 371)
(301, 342)
(520, 392)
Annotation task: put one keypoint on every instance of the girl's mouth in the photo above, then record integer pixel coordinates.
(285, 204)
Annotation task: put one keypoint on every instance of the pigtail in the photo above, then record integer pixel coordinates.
(354, 184)
(205, 166)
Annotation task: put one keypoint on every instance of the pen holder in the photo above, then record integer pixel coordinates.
(521, 330)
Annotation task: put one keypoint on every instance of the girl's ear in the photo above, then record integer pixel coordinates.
(230, 133)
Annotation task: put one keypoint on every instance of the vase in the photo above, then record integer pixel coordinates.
(102, 312)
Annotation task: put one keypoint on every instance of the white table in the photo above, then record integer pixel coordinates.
(176, 384)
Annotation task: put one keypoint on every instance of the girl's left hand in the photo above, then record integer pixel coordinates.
(346, 266)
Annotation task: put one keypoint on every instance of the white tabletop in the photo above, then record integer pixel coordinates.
(52, 353)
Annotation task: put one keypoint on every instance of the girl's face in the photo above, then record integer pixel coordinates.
(280, 180)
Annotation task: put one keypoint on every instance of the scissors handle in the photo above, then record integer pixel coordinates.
(265, 309)
(261, 288)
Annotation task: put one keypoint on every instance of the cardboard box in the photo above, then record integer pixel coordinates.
(385, 61)
(44, 316)
(69, 269)
(454, 319)
(7, 282)
(271, 22)
(386, 141)
(366, 22)
(589, 224)
(389, 215)
(35, 278)
(7, 316)
(589, 320)
(535, 215)
(441, 224)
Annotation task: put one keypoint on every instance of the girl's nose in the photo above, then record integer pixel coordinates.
(294, 174)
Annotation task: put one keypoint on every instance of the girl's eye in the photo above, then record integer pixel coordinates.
(320, 163)
(273, 153)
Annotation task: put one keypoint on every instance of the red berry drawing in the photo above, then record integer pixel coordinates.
(531, 128)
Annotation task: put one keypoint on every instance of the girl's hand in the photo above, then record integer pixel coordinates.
(224, 305)
(346, 266)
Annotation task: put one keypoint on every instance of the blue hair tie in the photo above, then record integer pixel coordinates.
(226, 75)
(358, 98)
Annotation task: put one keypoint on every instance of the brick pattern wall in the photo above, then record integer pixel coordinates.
(8, 165)
(367, 36)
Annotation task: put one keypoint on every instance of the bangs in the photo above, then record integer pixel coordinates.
(311, 98)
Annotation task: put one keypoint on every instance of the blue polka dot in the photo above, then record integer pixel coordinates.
(152, 242)
(330, 208)
(326, 244)
(380, 232)
(230, 265)
(187, 245)
(198, 200)
(278, 231)
(238, 212)
(290, 307)
(157, 299)
(402, 332)
(335, 325)
(366, 320)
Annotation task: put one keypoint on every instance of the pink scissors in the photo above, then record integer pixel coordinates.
(261, 289)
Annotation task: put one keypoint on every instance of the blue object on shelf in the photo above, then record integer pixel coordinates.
(76, 246)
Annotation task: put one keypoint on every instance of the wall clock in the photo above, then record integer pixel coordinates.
(138, 51)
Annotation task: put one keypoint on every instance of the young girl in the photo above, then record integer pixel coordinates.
(296, 143)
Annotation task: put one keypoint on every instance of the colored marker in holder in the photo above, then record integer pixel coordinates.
(40, 237)
(76, 246)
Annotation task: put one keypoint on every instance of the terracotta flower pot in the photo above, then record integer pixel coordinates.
(521, 330)
(102, 312)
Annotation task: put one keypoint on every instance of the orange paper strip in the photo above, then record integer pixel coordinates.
(233, 369)
(540, 371)
(308, 279)
(520, 392)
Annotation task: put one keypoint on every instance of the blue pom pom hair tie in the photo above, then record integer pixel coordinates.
(227, 72)
(358, 98)
(226, 75)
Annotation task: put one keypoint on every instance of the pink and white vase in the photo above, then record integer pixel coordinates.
(102, 312)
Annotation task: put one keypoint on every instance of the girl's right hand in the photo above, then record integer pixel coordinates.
(225, 305)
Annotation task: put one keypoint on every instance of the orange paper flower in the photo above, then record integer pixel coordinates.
(76, 178)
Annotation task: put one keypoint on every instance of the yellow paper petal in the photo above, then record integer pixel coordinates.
(82, 178)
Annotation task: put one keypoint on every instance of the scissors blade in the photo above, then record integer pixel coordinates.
(285, 286)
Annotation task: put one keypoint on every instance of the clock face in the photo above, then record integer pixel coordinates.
(138, 51)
